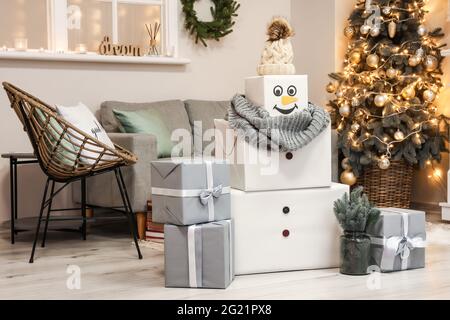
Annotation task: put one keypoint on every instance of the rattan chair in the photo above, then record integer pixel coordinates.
(66, 154)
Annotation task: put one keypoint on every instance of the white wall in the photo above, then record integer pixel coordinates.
(215, 73)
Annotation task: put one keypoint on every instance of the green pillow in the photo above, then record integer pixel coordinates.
(146, 121)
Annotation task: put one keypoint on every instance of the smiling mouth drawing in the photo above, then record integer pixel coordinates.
(288, 111)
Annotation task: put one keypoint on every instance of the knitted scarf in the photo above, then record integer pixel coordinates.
(283, 133)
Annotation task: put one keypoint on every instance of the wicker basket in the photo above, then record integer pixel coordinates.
(388, 188)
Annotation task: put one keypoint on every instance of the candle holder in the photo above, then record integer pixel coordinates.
(21, 44)
(81, 48)
(170, 52)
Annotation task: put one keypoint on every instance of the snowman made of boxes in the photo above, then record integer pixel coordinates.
(283, 217)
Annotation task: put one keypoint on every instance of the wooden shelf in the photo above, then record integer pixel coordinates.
(90, 58)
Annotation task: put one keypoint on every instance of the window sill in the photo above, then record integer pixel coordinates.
(90, 57)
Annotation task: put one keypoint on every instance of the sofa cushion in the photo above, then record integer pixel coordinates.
(173, 113)
(204, 112)
(147, 121)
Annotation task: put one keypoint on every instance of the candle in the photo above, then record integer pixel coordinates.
(21, 44)
(4, 48)
(170, 51)
(81, 48)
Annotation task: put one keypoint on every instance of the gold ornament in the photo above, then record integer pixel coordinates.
(331, 88)
(384, 163)
(349, 32)
(375, 32)
(422, 30)
(409, 92)
(399, 136)
(431, 63)
(365, 29)
(392, 29)
(346, 164)
(355, 57)
(391, 73)
(348, 178)
(429, 96)
(372, 60)
(380, 100)
(344, 110)
(355, 127)
(414, 61)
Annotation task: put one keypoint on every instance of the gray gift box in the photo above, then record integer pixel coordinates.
(398, 240)
(186, 191)
(199, 256)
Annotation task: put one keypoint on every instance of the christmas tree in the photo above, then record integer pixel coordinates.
(384, 106)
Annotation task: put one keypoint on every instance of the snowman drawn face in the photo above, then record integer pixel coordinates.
(287, 97)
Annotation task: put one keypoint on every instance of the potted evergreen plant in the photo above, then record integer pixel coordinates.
(354, 214)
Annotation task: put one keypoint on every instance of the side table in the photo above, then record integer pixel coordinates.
(16, 159)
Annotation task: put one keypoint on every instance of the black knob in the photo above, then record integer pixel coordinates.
(289, 156)
(286, 210)
(286, 233)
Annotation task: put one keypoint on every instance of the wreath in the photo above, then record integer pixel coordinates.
(222, 12)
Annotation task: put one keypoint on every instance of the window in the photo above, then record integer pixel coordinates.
(24, 24)
(81, 25)
(131, 22)
(88, 21)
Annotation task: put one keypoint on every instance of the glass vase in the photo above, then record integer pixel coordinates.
(355, 253)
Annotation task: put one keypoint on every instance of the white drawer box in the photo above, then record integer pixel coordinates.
(286, 230)
(253, 169)
(279, 94)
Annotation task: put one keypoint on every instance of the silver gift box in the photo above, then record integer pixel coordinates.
(398, 240)
(186, 191)
(199, 256)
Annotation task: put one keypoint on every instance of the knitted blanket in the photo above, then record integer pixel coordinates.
(283, 133)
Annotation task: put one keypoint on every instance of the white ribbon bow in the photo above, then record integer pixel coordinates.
(399, 246)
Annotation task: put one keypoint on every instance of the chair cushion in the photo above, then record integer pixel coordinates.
(147, 121)
(83, 119)
(202, 113)
(173, 113)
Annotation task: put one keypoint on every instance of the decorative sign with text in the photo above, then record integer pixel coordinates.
(107, 48)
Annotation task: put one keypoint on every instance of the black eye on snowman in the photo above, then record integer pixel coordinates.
(278, 91)
(292, 91)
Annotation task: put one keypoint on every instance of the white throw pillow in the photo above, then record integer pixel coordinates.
(83, 119)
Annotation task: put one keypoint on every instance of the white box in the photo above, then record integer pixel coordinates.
(253, 169)
(260, 220)
(280, 95)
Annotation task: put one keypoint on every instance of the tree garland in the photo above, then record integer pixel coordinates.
(222, 12)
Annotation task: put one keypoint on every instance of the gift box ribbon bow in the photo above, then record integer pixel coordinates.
(400, 246)
(206, 195)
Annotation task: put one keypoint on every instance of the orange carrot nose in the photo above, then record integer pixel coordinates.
(286, 100)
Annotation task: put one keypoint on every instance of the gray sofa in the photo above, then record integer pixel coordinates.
(103, 190)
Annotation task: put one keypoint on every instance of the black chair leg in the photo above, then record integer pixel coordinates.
(129, 211)
(83, 208)
(36, 236)
(49, 209)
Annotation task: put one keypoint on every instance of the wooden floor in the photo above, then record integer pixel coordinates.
(110, 270)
